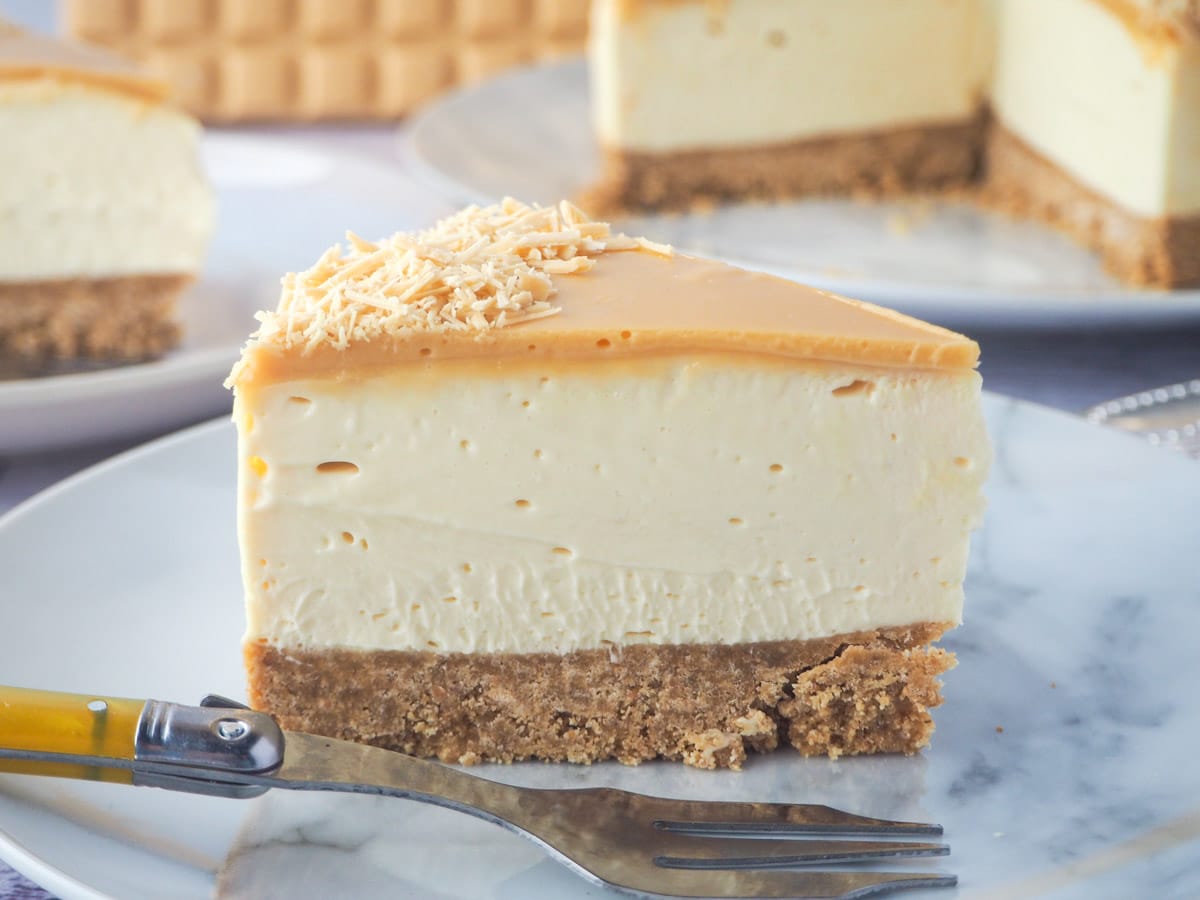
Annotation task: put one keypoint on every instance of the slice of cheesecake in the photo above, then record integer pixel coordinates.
(764, 99)
(104, 210)
(1097, 128)
(516, 487)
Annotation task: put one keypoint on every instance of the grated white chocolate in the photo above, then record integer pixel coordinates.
(480, 269)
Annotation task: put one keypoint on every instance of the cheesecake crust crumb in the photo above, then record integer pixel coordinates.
(890, 163)
(124, 318)
(1156, 252)
(707, 705)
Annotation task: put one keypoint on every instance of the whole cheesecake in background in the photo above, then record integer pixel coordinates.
(104, 210)
(1084, 114)
(516, 487)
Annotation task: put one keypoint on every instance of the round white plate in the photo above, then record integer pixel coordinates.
(527, 134)
(281, 202)
(1079, 643)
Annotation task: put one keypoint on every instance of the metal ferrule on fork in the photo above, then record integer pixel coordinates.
(204, 749)
(207, 749)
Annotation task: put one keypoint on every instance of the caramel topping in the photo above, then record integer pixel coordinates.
(642, 303)
(481, 269)
(25, 57)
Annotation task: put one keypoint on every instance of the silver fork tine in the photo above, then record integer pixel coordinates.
(613, 837)
(796, 885)
(748, 853)
(720, 817)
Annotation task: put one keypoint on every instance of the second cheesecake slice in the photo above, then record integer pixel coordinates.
(516, 487)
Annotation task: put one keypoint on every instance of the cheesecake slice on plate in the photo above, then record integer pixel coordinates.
(104, 209)
(517, 487)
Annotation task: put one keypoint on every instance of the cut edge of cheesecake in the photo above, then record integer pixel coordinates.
(510, 284)
(1148, 251)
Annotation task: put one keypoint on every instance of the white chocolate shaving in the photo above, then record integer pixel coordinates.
(480, 269)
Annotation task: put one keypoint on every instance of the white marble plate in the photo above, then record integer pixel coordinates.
(281, 202)
(527, 134)
(1079, 643)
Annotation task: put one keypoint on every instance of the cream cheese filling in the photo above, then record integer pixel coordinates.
(1118, 110)
(661, 79)
(553, 507)
(96, 184)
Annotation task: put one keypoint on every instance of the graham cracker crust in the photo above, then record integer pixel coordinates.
(707, 705)
(1161, 252)
(119, 319)
(886, 163)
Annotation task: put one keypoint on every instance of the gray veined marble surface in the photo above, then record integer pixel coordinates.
(1063, 765)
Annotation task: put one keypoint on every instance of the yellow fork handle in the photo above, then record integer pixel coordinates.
(69, 724)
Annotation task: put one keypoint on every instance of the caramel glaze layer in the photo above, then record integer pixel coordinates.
(640, 303)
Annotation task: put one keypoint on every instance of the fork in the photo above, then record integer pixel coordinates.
(614, 838)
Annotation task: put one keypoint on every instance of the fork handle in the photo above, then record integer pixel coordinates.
(42, 725)
(69, 724)
(203, 749)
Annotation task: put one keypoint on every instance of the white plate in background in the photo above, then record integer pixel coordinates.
(1079, 643)
(280, 203)
(527, 134)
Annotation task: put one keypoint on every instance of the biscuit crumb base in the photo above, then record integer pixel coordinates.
(707, 705)
(894, 162)
(981, 163)
(118, 319)
(1157, 252)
